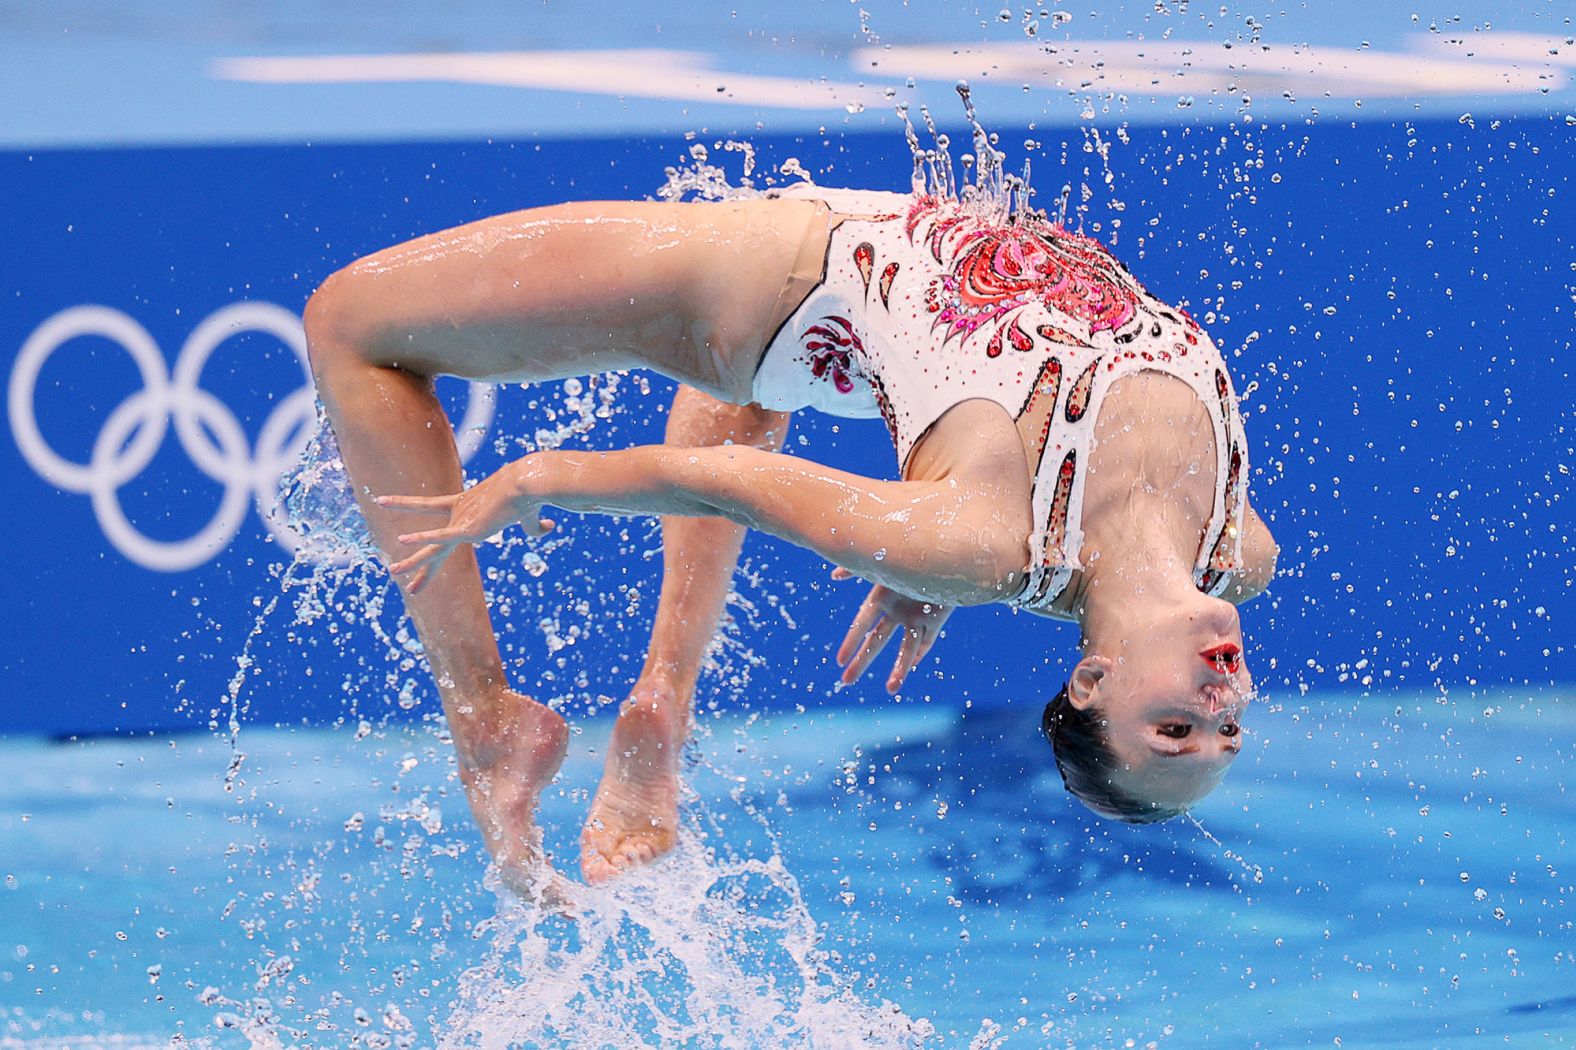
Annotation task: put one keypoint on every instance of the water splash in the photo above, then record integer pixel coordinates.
(700, 179)
(320, 505)
(996, 196)
(703, 949)
(707, 949)
(1254, 872)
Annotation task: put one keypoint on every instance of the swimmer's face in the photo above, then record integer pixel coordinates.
(1172, 697)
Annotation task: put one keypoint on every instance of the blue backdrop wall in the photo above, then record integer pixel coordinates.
(1396, 298)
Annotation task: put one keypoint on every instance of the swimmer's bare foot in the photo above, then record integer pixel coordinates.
(634, 817)
(510, 749)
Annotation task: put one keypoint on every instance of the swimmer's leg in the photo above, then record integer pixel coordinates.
(395, 437)
(541, 294)
(634, 817)
(686, 289)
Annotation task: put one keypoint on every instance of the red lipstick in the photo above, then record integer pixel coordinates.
(1223, 657)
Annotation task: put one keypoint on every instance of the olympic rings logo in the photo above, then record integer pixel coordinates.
(209, 433)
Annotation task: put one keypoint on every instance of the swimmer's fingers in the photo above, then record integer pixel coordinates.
(869, 613)
(537, 527)
(424, 573)
(917, 643)
(874, 642)
(922, 622)
(907, 657)
(427, 559)
(419, 504)
(447, 534)
(840, 573)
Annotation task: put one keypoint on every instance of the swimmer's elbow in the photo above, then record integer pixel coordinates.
(997, 571)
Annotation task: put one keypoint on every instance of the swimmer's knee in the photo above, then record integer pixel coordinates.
(334, 336)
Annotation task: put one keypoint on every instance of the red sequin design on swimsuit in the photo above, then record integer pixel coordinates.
(1034, 419)
(1055, 528)
(1078, 396)
(833, 349)
(993, 271)
(888, 275)
(865, 260)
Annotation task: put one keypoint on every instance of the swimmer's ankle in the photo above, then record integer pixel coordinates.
(667, 680)
(483, 700)
(492, 727)
(658, 692)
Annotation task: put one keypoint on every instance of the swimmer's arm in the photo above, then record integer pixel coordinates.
(1259, 552)
(943, 541)
(939, 541)
(699, 553)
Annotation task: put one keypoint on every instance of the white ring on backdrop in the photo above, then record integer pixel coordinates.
(46, 338)
(208, 431)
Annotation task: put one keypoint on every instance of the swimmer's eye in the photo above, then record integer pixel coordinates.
(1175, 730)
(1230, 729)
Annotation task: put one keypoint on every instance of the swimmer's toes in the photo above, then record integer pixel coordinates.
(535, 881)
(599, 864)
(596, 868)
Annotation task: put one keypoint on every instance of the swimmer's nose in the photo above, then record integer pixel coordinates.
(1224, 698)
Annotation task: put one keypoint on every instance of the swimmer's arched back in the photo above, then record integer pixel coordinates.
(719, 297)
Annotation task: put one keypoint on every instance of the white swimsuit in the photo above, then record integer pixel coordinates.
(923, 306)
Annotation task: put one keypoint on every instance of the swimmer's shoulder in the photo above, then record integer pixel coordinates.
(1260, 553)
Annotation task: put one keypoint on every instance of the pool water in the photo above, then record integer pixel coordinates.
(1391, 871)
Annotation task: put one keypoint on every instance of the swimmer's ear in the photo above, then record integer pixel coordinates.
(1083, 686)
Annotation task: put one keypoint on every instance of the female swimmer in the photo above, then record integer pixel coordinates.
(1067, 444)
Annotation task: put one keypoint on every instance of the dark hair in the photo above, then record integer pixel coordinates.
(1086, 762)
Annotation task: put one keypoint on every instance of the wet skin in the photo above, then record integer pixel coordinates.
(684, 290)
(1162, 663)
(1173, 701)
(557, 292)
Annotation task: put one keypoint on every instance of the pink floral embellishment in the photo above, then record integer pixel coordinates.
(833, 348)
(992, 271)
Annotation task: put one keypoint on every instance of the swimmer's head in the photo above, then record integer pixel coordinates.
(1149, 721)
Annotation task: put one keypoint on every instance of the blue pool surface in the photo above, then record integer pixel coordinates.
(1391, 871)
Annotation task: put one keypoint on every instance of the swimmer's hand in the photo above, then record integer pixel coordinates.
(481, 511)
(883, 612)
